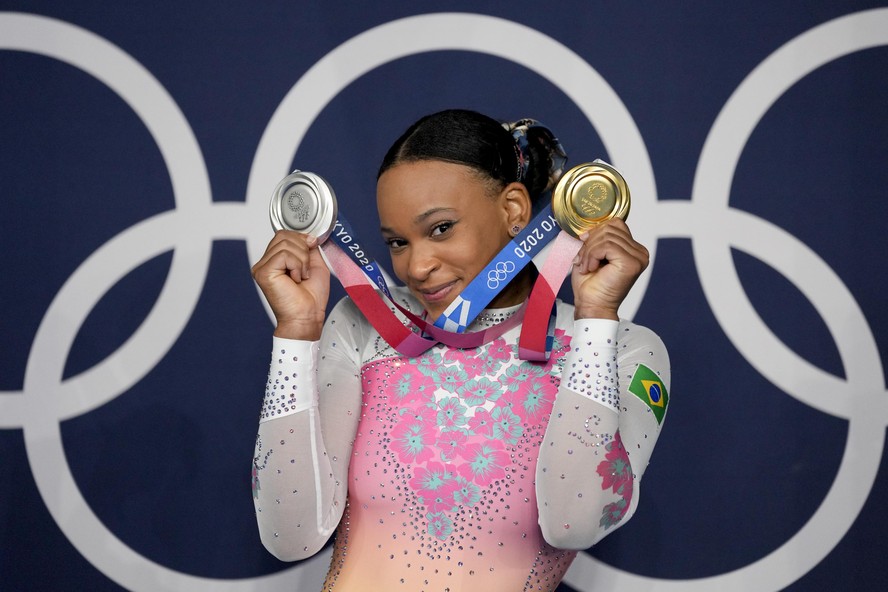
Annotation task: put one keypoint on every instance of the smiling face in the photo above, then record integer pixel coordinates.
(443, 224)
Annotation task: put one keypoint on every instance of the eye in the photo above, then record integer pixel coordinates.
(442, 228)
(395, 243)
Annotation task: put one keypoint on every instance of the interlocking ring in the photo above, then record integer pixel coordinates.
(43, 402)
(499, 273)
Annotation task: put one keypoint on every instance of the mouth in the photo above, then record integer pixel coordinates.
(436, 294)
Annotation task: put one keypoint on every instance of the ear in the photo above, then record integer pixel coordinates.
(516, 204)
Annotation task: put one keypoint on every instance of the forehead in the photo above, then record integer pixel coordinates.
(416, 186)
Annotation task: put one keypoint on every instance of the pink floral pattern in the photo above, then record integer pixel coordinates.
(486, 462)
(460, 417)
(436, 486)
(255, 481)
(450, 443)
(481, 424)
(616, 475)
(412, 385)
(412, 440)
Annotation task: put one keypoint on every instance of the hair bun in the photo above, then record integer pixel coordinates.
(540, 156)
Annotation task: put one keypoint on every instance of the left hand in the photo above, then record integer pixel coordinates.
(605, 269)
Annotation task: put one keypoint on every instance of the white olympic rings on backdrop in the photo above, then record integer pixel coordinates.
(46, 400)
(714, 228)
(712, 225)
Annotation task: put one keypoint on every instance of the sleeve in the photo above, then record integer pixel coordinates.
(605, 422)
(306, 432)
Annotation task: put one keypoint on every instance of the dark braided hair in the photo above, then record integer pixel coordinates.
(479, 142)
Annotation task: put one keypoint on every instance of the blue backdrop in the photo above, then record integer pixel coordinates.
(142, 140)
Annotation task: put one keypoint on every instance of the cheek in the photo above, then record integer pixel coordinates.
(489, 248)
(399, 267)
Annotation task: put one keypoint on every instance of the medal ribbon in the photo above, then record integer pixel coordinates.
(535, 345)
(361, 277)
(514, 257)
(364, 293)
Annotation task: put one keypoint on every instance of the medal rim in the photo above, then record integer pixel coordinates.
(322, 193)
(564, 211)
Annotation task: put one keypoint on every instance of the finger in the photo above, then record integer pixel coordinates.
(288, 252)
(608, 245)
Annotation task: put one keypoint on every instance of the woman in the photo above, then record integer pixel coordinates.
(459, 469)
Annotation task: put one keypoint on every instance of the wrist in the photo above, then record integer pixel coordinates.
(301, 330)
(595, 312)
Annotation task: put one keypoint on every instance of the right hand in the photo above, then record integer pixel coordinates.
(296, 282)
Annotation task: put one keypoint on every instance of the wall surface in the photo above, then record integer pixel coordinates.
(141, 141)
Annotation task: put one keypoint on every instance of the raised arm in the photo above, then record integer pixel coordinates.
(306, 432)
(312, 402)
(611, 402)
(605, 423)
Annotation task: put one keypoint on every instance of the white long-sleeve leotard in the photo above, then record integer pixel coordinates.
(458, 469)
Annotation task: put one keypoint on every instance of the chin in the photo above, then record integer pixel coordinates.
(434, 312)
(435, 308)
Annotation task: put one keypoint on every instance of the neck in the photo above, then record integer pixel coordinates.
(517, 290)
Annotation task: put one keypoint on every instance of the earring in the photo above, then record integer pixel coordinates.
(515, 230)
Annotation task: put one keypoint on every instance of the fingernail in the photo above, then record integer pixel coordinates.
(576, 260)
(311, 240)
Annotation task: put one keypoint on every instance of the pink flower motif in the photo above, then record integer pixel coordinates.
(422, 413)
(499, 350)
(487, 462)
(480, 423)
(514, 400)
(530, 399)
(536, 400)
(615, 470)
(429, 362)
(506, 425)
(451, 413)
(498, 354)
(518, 378)
(449, 444)
(454, 354)
(616, 474)
(613, 513)
(435, 485)
(479, 391)
(467, 493)
(432, 476)
(412, 439)
(450, 378)
(560, 346)
(412, 385)
(440, 526)
(473, 364)
(467, 359)
(255, 481)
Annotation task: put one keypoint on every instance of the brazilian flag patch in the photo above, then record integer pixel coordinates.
(648, 387)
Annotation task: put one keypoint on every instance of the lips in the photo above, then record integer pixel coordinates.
(437, 293)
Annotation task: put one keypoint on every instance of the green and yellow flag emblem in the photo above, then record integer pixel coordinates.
(648, 387)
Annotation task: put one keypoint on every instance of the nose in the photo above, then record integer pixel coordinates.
(423, 261)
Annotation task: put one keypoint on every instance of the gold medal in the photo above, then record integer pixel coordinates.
(589, 194)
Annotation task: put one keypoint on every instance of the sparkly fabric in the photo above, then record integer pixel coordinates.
(460, 469)
(593, 374)
(291, 392)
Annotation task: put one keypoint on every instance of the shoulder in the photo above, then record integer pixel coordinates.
(633, 338)
(347, 310)
(640, 349)
(637, 345)
(347, 325)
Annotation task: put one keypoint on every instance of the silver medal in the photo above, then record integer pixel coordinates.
(304, 202)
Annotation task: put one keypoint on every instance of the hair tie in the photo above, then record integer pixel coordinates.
(519, 130)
